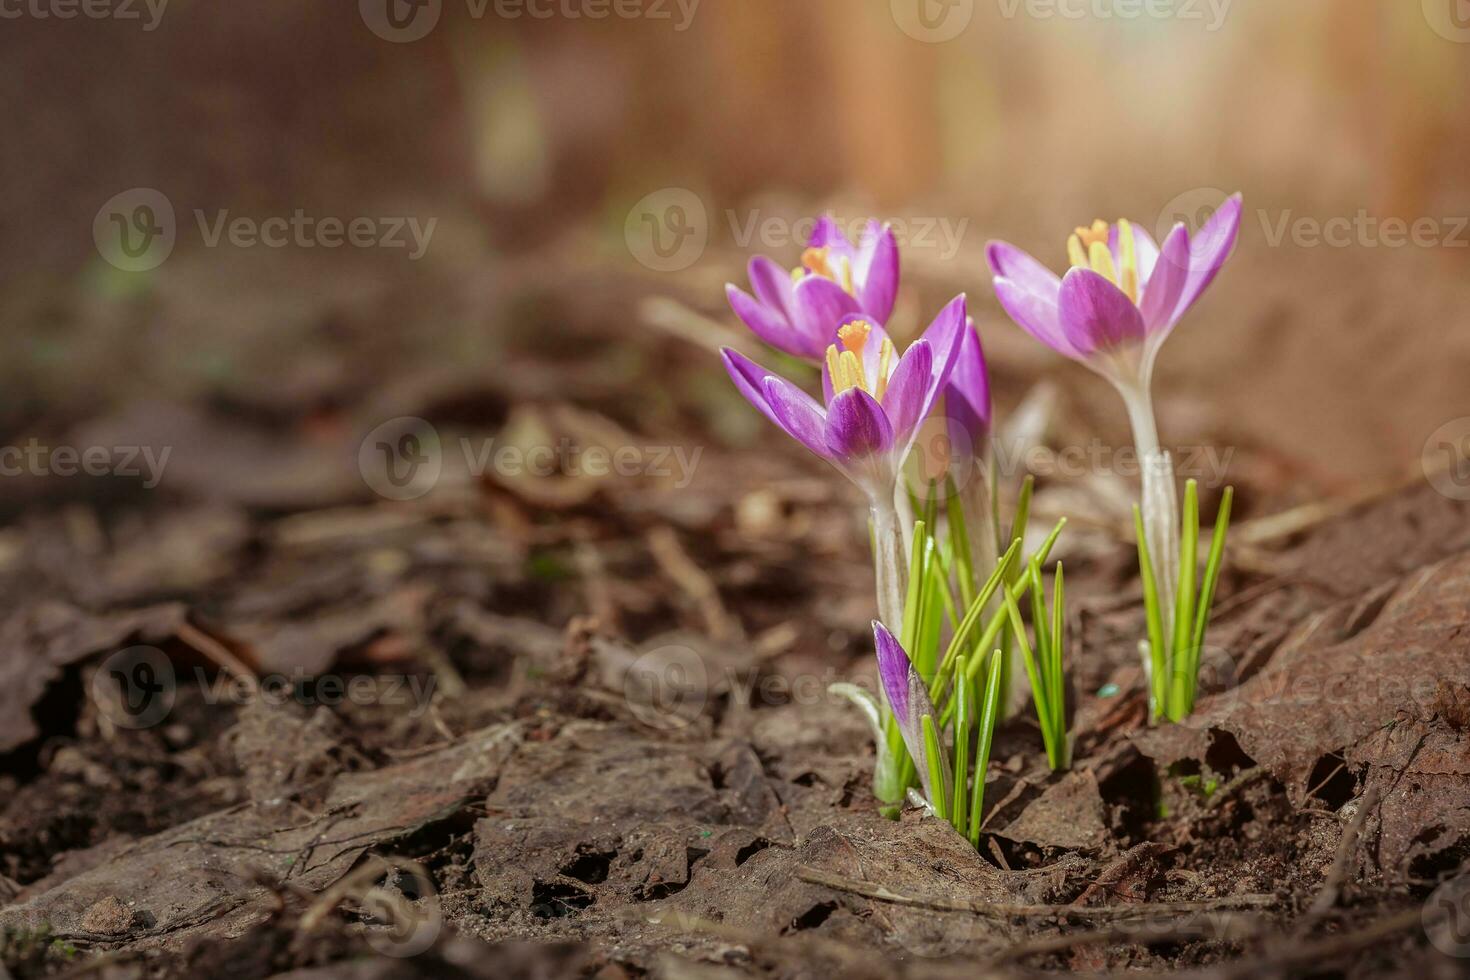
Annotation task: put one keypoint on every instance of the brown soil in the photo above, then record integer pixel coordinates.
(573, 820)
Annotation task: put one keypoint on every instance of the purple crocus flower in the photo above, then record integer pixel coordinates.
(1123, 294)
(874, 399)
(908, 699)
(1113, 311)
(798, 311)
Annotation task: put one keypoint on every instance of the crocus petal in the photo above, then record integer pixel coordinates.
(875, 273)
(827, 234)
(772, 285)
(967, 396)
(769, 325)
(857, 429)
(1208, 250)
(908, 390)
(893, 673)
(944, 334)
(819, 305)
(798, 413)
(1097, 315)
(1009, 262)
(908, 697)
(1037, 316)
(1145, 250)
(749, 378)
(1162, 289)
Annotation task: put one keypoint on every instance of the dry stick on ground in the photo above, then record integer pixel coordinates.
(1200, 925)
(688, 576)
(215, 650)
(1347, 849)
(869, 889)
(1313, 954)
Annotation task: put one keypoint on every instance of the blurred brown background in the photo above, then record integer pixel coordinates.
(530, 140)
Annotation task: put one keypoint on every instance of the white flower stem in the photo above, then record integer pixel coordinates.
(890, 560)
(1160, 503)
(903, 506)
(890, 564)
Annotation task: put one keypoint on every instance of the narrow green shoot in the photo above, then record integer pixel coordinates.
(1174, 660)
(989, 714)
(1207, 590)
(959, 816)
(1158, 653)
(1185, 660)
(1043, 666)
(936, 770)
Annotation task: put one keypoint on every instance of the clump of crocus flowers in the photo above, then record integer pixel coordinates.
(952, 581)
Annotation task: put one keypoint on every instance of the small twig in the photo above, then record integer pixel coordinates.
(451, 682)
(1219, 925)
(1347, 848)
(371, 870)
(694, 581)
(219, 653)
(1313, 954)
(882, 893)
(595, 582)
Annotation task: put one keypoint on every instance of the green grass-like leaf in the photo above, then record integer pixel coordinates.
(989, 713)
(936, 770)
(1157, 652)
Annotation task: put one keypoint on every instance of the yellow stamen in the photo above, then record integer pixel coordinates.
(885, 355)
(845, 360)
(1099, 232)
(834, 367)
(1128, 259)
(852, 372)
(1076, 253)
(854, 336)
(1102, 262)
(819, 262)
